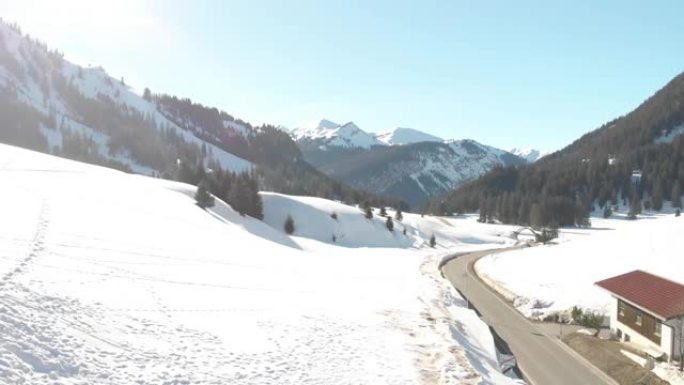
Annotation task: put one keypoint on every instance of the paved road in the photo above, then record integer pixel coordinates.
(541, 357)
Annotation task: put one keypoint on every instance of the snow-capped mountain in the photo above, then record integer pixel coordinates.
(327, 134)
(529, 154)
(404, 135)
(402, 163)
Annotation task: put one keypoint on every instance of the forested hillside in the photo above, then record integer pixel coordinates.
(594, 172)
(51, 105)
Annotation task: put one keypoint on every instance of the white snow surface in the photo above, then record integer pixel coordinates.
(666, 370)
(404, 135)
(529, 154)
(668, 137)
(553, 278)
(111, 278)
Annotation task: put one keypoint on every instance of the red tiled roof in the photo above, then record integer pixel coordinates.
(656, 294)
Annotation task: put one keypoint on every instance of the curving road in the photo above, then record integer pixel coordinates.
(543, 359)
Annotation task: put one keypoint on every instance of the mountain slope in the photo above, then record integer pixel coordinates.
(593, 172)
(73, 104)
(413, 172)
(99, 286)
(51, 105)
(403, 163)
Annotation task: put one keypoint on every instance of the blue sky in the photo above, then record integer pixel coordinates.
(510, 74)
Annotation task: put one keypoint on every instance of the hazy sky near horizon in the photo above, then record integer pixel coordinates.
(509, 74)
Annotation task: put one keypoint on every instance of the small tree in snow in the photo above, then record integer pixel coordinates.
(399, 216)
(147, 94)
(607, 211)
(369, 212)
(203, 197)
(289, 225)
(433, 241)
(678, 212)
(333, 215)
(383, 211)
(390, 224)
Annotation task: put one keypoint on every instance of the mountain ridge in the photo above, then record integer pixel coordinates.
(406, 164)
(635, 160)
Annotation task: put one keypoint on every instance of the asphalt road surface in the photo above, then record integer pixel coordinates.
(543, 359)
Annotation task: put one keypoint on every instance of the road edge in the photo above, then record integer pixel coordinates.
(471, 270)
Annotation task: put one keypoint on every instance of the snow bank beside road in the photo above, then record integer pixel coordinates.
(551, 278)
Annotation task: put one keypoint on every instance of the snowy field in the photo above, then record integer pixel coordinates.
(110, 278)
(547, 279)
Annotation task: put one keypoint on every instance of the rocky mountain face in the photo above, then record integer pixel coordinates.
(403, 163)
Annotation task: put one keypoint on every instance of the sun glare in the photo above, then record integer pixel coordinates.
(108, 21)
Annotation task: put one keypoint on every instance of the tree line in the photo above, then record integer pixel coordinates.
(593, 173)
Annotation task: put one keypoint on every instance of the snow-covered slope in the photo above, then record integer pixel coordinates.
(327, 134)
(112, 278)
(343, 225)
(61, 91)
(529, 154)
(403, 135)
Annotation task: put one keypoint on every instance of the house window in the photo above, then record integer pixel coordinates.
(621, 308)
(639, 319)
(658, 328)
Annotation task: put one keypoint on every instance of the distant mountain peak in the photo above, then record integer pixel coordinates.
(529, 154)
(331, 134)
(405, 135)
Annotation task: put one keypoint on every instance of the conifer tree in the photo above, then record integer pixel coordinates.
(676, 195)
(147, 94)
(389, 224)
(203, 197)
(399, 216)
(607, 211)
(657, 200)
(433, 241)
(383, 211)
(289, 225)
(368, 210)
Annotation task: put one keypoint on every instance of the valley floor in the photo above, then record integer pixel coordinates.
(110, 278)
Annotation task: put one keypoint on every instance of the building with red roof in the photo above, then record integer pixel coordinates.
(648, 311)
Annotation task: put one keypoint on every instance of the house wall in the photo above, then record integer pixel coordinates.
(637, 338)
(667, 342)
(648, 322)
(675, 327)
(613, 315)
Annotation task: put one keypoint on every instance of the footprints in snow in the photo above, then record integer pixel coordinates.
(36, 247)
